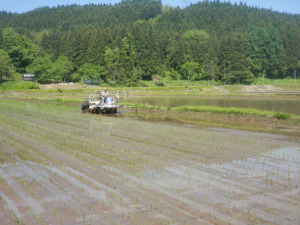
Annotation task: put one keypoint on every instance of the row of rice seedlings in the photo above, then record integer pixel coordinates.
(135, 158)
(8, 186)
(53, 210)
(43, 203)
(12, 213)
(261, 174)
(28, 191)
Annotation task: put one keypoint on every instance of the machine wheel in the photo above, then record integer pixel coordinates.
(115, 110)
(84, 105)
(98, 110)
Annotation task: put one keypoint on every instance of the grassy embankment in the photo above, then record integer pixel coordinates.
(219, 110)
(180, 87)
(232, 118)
(18, 85)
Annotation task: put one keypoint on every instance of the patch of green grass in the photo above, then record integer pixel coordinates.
(135, 105)
(63, 100)
(141, 106)
(279, 82)
(232, 110)
(214, 109)
(18, 85)
(282, 116)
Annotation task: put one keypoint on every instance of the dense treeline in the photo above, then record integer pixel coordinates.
(139, 40)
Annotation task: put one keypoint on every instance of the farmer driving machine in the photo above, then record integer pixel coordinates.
(95, 103)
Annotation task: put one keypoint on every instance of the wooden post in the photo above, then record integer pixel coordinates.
(264, 76)
(295, 75)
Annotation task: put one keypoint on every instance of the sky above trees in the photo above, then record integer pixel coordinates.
(20, 6)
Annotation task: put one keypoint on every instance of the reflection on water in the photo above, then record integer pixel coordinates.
(279, 105)
(284, 161)
(269, 180)
(280, 165)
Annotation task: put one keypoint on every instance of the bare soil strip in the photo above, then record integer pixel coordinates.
(59, 166)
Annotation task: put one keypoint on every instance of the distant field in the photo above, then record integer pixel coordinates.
(59, 166)
(180, 87)
(235, 118)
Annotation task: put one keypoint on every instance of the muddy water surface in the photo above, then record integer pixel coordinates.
(59, 166)
(286, 104)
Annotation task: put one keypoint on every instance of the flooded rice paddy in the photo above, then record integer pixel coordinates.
(283, 104)
(59, 166)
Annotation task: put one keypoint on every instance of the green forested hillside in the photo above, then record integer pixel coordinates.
(139, 40)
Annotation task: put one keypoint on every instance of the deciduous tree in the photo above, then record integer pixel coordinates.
(6, 66)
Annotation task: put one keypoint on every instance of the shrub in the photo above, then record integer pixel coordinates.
(231, 110)
(18, 85)
(282, 116)
(158, 81)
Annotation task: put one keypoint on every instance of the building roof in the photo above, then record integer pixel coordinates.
(28, 75)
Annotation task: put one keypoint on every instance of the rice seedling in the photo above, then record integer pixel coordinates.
(103, 164)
